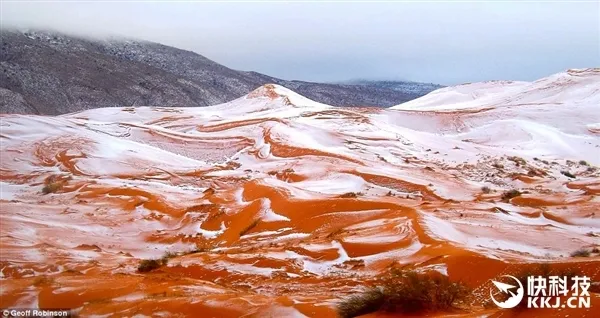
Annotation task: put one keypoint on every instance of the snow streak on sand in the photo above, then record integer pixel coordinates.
(274, 194)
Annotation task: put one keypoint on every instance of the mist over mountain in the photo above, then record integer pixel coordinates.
(46, 72)
(401, 86)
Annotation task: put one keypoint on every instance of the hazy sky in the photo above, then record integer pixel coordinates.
(441, 42)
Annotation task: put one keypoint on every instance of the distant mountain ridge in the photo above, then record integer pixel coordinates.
(50, 73)
(402, 86)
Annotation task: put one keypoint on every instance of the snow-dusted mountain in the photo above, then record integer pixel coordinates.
(402, 86)
(51, 73)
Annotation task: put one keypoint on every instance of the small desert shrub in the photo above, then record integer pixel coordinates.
(169, 255)
(583, 163)
(42, 280)
(595, 250)
(249, 227)
(498, 165)
(406, 292)
(54, 183)
(52, 187)
(582, 252)
(591, 169)
(361, 304)
(534, 172)
(567, 174)
(517, 160)
(486, 189)
(147, 265)
(510, 194)
(200, 248)
(350, 195)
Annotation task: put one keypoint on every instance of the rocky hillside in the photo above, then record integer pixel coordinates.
(50, 73)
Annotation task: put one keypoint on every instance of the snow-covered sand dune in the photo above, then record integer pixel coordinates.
(573, 87)
(279, 194)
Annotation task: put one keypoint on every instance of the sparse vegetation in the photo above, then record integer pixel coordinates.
(249, 227)
(567, 174)
(350, 195)
(583, 163)
(42, 280)
(510, 194)
(486, 189)
(168, 255)
(54, 183)
(198, 249)
(534, 172)
(148, 265)
(595, 250)
(52, 187)
(405, 292)
(498, 165)
(517, 160)
(357, 305)
(582, 252)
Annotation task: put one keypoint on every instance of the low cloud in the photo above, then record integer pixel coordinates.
(444, 43)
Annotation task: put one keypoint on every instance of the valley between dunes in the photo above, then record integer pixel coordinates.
(279, 206)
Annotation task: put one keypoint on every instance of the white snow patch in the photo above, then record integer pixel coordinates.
(267, 214)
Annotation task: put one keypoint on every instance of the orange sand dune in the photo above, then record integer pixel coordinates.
(276, 206)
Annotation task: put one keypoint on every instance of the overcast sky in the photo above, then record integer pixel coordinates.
(445, 43)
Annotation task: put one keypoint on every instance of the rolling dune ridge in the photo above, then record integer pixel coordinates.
(275, 205)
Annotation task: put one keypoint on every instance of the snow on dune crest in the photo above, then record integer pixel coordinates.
(571, 86)
(289, 97)
(268, 100)
(461, 96)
